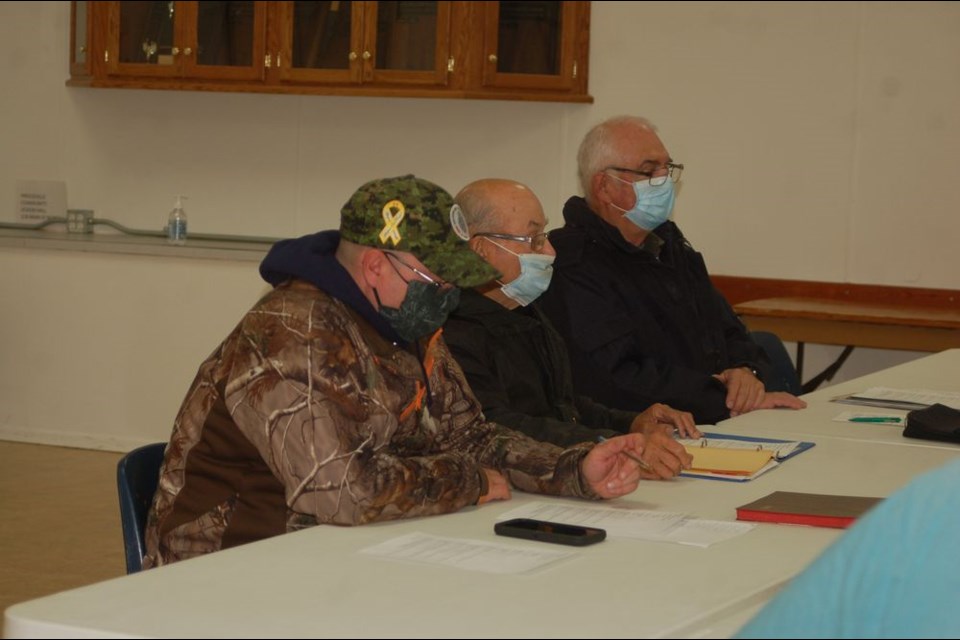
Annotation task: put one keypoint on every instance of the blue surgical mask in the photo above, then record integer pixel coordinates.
(653, 206)
(536, 269)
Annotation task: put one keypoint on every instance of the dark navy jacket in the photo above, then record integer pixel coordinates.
(643, 324)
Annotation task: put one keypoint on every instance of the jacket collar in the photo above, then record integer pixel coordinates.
(492, 315)
(577, 213)
(312, 258)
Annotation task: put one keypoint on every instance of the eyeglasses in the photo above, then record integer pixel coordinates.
(536, 241)
(673, 172)
(437, 282)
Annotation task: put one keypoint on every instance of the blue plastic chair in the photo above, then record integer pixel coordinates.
(137, 475)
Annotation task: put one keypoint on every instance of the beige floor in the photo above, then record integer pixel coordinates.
(60, 524)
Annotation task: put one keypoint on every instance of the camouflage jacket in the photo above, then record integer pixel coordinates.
(306, 415)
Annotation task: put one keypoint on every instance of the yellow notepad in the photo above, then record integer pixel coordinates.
(738, 462)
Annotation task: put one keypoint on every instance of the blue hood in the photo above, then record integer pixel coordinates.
(312, 258)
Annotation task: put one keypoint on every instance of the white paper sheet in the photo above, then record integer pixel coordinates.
(472, 555)
(902, 398)
(780, 449)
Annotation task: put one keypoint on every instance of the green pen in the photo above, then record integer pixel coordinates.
(879, 419)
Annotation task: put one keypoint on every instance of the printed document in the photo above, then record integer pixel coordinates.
(902, 398)
(472, 555)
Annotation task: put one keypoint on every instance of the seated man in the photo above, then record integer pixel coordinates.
(632, 298)
(515, 362)
(894, 574)
(336, 401)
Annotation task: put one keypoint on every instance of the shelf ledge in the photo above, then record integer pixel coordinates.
(237, 250)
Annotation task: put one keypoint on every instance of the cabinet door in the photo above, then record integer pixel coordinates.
(406, 43)
(141, 39)
(531, 45)
(387, 43)
(209, 40)
(320, 42)
(81, 29)
(224, 40)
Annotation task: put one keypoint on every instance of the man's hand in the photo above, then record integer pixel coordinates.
(497, 487)
(781, 400)
(611, 467)
(666, 457)
(744, 391)
(658, 413)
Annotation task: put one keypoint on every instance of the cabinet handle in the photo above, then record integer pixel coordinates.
(175, 51)
(366, 55)
(574, 69)
(352, 56)
(492, 57)
(267, 61)
(187, 51)
(450, 63)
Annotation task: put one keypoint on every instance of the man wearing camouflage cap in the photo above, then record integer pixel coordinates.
(336, 401)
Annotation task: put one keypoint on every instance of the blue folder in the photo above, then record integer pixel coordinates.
(803, 446)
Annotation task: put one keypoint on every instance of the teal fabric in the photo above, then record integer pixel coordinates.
(894, 574)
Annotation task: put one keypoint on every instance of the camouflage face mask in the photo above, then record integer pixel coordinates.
(424, 309)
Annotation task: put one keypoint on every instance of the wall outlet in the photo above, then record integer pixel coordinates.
(80, 220)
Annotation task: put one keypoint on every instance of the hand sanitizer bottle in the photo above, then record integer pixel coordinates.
(177, 223)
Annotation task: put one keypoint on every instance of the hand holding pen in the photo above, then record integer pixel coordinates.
(666, 458)
(640, 461)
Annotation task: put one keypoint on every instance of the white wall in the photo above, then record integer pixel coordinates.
(821, 142)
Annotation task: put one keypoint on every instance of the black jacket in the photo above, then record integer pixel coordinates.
(643, 324)
(519, 369)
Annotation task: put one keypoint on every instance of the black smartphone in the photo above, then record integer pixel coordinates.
(549, 531)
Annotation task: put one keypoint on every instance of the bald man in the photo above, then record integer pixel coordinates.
(514, 360)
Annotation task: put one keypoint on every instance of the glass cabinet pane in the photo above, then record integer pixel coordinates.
(80, 33)
(406, 35)
(321, 35)
(528, 37)
(146, 32)
(225, 33)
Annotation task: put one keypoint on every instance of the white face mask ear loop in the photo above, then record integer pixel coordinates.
(617, 207)
(497, 244)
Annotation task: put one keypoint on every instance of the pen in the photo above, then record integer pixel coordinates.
(881, 419)
(640, 461)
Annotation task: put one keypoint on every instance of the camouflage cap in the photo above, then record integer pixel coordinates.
(410, 214)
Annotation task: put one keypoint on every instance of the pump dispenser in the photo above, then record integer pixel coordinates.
(177, 223)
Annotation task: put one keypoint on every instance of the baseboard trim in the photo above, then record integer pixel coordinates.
(73, 440)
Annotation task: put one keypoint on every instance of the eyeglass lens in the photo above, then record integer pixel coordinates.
(419, 273)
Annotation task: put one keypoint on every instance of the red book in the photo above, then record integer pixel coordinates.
(814, 509)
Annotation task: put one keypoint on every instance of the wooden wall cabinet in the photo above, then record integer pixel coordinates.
(489, 50)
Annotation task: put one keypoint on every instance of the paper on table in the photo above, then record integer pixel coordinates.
(642, 524)
(741, 462)
(901, 398)
(780, 449)
(472, 555)
(703, 533)
(734, 477)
